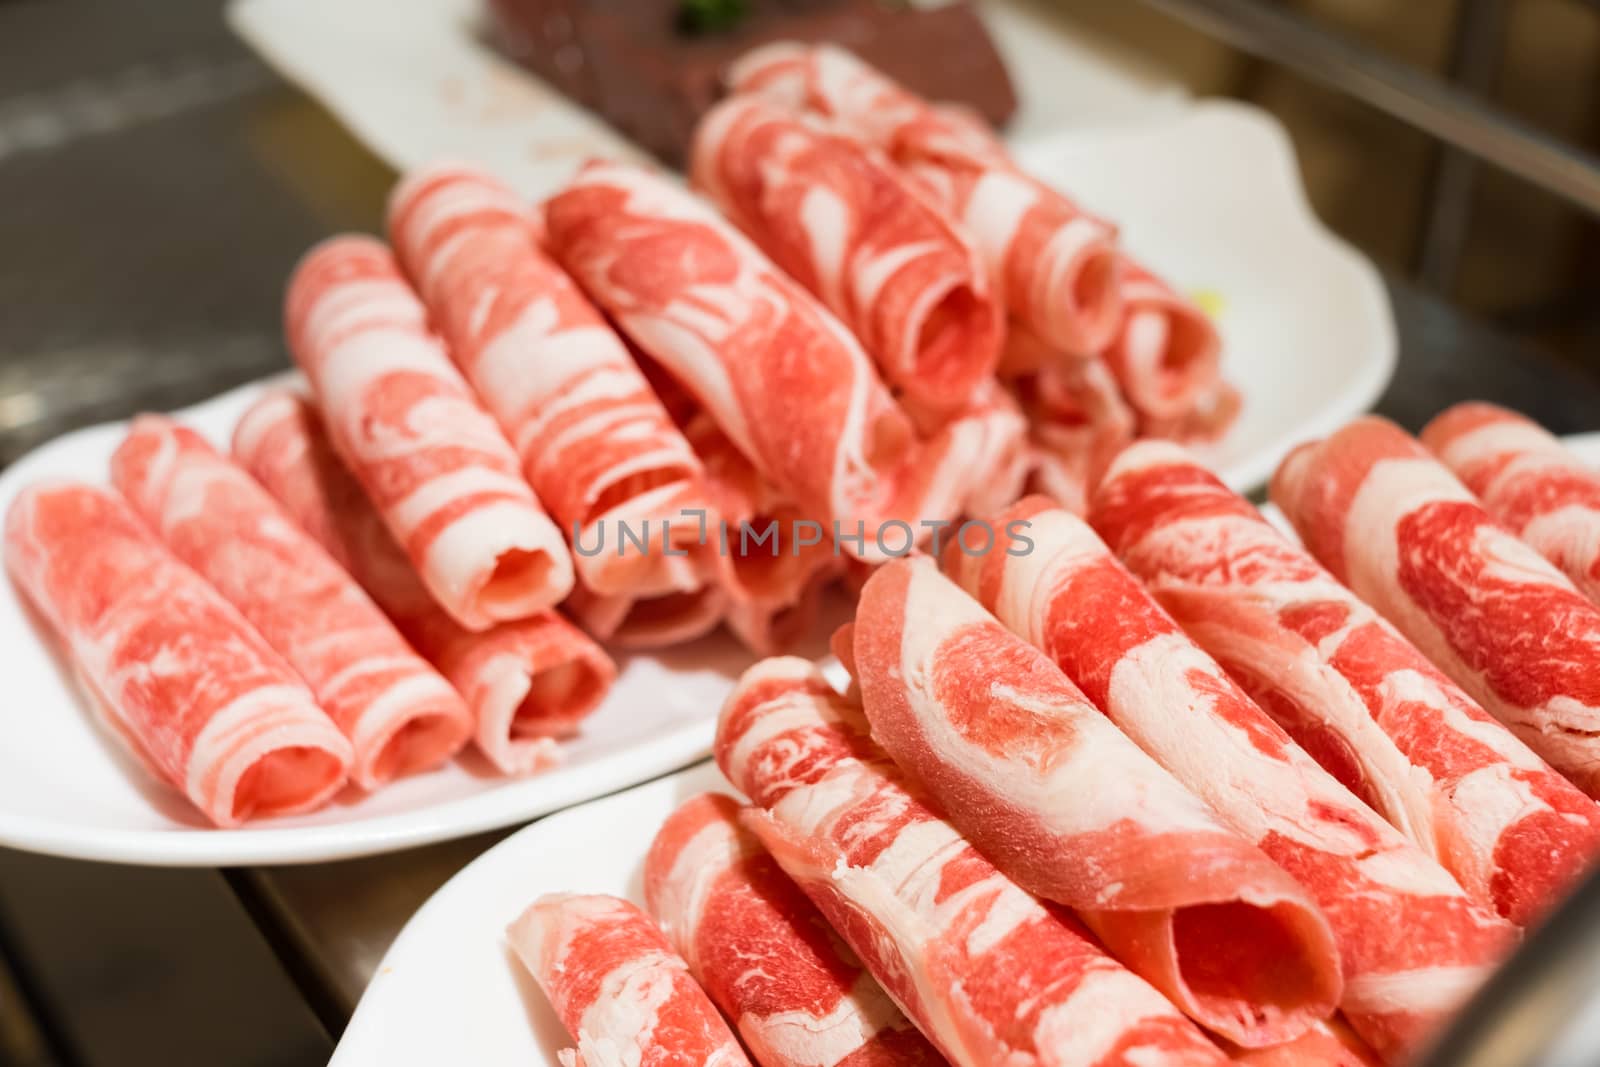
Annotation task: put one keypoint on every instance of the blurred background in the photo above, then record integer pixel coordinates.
(1528, 73)
(157, 181)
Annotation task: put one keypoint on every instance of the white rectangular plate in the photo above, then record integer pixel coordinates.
(68, 787)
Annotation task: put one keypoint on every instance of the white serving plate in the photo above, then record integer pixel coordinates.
(69, 788)
(1586, 445)
(1305, 321)
(418, 81)
(450, 961)
(449, 990)
(1208, 194)
(1212, 199)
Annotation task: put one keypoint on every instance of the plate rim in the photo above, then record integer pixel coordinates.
(38, 831)
(485, 864)
(1250, 124)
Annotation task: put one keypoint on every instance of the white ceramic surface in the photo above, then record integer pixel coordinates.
(1209, 194)
(1212, 200)
(450, 991)
(418, 81)
(67, 787)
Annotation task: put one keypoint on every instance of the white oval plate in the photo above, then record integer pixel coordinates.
(69, 788)
(450, 991)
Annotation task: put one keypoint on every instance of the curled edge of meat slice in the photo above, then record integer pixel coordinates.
(618, 987)
(93, 570)
(758, 946)
(1073, 810)
(527, 682)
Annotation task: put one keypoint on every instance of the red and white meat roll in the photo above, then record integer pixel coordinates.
(989, 974)
(437, 468)
(976, 461)
(175, 670)
(781, 377)
(1396, 527)
(769, 629)
(1347, 686)
(1529, 481)
(759, 557)
(640, 623)
(1054, 265)
(1055, 583)
(527, 682)
(838, 218)
(625, 997)
(1330, 1043)
(1215, 411)
(1078, 423)
(1072, 811)
(596, 443)
(827, 81)
(1167, 354)
(398, 713)
(796, 994)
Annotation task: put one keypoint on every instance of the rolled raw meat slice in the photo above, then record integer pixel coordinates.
(437, 468)
(1393, 524)
(781, 377)
(398, 713)
(1529, 481)
(625, 997)
(1072, 811)
(1347, 686)
(1330, 1043)
(773, 564)
(1214, 412)
(1052, 581)
(648, 622)
(527, 682)
(796, 994)
(596, 444)
(1166, 355)
(988, 973)
(828, 81)
(768, 629)
(1055, 266)
(1025, 353)
(174, 668)
(836, 216)
(767, 554)
(1078, 423)
(975, 462)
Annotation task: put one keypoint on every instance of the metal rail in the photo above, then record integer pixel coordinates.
(1447, 215)
(1455, 117)
(1524, 1012)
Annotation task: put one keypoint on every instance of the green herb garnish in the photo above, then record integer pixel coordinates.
(711, 16)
